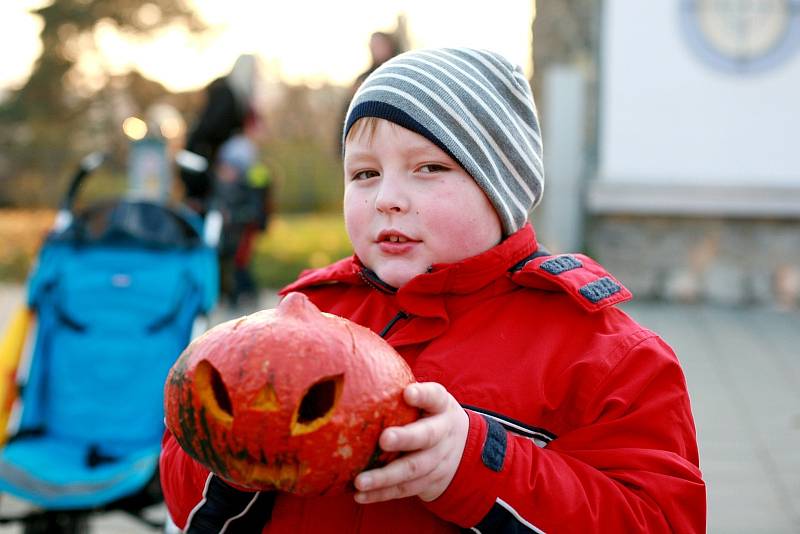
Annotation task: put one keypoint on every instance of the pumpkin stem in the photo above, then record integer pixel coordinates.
(298, 305)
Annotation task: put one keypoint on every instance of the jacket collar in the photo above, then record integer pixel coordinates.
(427, 297)
(466, 276)
(476, 272)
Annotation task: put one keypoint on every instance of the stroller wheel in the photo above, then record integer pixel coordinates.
(57, 523)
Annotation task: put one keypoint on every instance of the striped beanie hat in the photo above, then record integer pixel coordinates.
(477, 107)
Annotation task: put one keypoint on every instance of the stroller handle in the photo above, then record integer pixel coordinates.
(87, 166)
(212, 227)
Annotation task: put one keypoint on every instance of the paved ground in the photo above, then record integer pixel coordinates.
(743, 371)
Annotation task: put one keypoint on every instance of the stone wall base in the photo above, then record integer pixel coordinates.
(716, 260)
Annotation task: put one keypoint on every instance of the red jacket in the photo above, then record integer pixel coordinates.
(579, 417)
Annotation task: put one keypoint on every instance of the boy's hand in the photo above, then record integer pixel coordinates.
(437, 441)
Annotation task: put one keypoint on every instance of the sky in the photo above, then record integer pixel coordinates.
(312, 41)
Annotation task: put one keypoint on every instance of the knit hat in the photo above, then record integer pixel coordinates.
(477, 107)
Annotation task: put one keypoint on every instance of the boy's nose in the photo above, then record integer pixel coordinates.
(391, 197)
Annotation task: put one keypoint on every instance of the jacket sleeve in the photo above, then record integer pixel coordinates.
(629, 465)
(200, 502)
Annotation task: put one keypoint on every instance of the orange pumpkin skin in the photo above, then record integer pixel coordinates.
(288, 399)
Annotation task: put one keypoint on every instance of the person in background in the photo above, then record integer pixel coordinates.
(382, 47)
(229, 101)
(244, 194)
(261, 185)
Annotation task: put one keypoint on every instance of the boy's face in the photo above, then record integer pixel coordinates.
(408, 205)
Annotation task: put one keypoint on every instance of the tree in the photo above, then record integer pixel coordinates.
(68, 31)
(564, 32)
(40, 119)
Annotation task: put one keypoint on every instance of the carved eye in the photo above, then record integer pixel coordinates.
(317, 405)
(212, 392)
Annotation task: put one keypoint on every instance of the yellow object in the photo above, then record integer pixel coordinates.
(11, 347)
(258, 176)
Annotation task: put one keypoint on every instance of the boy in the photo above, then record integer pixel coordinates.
(546, 408)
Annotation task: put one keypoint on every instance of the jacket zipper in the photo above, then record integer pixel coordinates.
(372, 280)
(400, 315)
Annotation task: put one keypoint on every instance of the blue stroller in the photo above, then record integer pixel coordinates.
(117, 291)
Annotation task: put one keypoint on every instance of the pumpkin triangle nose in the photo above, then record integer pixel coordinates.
(297, 305)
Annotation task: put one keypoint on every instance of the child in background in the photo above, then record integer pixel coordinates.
(243, 189)
(546, 408)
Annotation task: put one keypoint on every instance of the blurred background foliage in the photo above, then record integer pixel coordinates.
(66, 110)
(63, 112)
(296, 242)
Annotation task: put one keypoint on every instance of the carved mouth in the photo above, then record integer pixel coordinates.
(282, 475)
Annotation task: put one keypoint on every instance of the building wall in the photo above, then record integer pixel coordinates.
(696, 194)
(670, 113)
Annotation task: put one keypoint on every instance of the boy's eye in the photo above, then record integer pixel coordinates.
(364, 175)
(432, 167)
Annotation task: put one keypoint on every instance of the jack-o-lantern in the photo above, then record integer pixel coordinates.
(290, 399)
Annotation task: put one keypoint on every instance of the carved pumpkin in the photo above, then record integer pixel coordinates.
(290, 399)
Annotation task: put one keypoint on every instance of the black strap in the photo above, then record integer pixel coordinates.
(24, 433)
(94, 457)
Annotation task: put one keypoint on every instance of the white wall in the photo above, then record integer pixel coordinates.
(666, 116)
